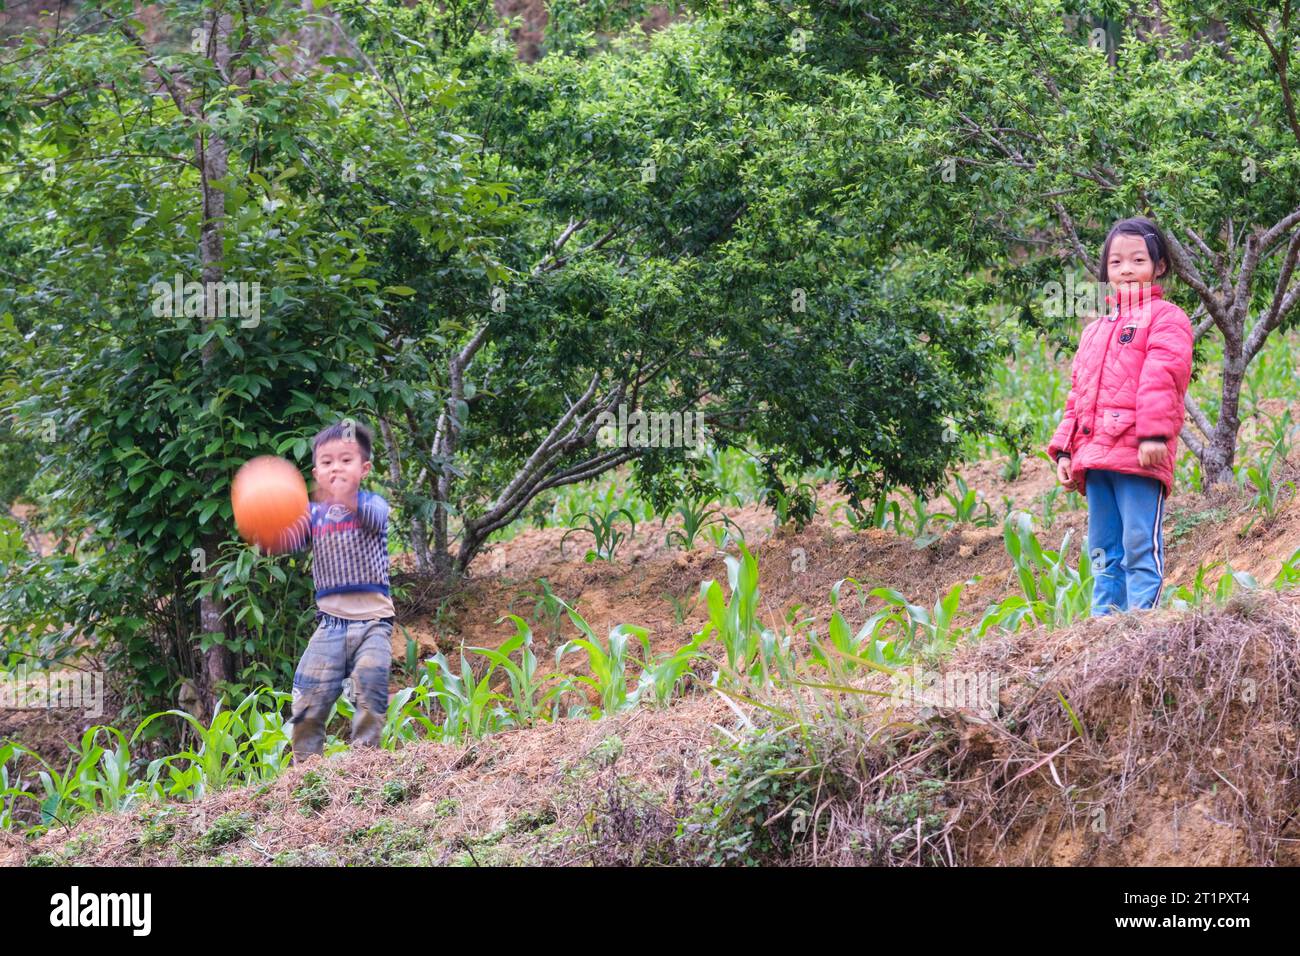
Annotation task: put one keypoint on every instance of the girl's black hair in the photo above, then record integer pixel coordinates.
(1157, 248)
(346, 430)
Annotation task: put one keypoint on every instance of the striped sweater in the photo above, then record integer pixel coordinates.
(350, 551)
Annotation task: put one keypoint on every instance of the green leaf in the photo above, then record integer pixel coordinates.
(207, 510)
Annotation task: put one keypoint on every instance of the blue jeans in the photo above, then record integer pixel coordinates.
(341, 648)
(1125, 540)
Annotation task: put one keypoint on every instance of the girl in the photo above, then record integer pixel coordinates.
(1117, 440)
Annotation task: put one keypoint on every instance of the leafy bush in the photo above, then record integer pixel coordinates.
(763, 804)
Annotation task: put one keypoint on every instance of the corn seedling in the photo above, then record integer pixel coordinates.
(843, 647)
(696, 516)
(245, 745)
(723, 537)
(600, 525)
(1267, 493)
(681, 609)
(525, 685)
(662, 679)
(1056, 593)
(1289, 575)
(800, 506)
(548, 608)
(1189, 472)
(842, 643)
(96, 779)
(1011, 467)
(883, 514)
(1049, 506)
(751, 648)
(1280, 432)
(917, 523)
(404, 721)
(936, 627)
(10, 791)
(1183, 598)
(607, 664)
(892, 635)
(1007, 614)
(966, 503)
(473, 710)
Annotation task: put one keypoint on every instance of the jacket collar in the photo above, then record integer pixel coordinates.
(1145, 295)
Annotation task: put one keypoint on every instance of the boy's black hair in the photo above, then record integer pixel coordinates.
(346, 430)
(1157, 248)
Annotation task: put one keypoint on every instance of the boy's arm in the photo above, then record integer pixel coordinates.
(297, 536)
(372, 512)
(1166, 372)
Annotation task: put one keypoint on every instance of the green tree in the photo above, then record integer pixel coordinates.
(700, 232)
(487, 257)
(1056, 121)
(215, 160)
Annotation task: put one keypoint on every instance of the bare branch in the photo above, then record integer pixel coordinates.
(450, 417)
(1091, 264)
(1205, 324)
(173, 85)
(1220, 267)
(591, 469)
(545, 450)
(1195, 445)
(1283, 301)
(1187, 271)
(397, 100)
(1280, 62)
(573, 226)
(1279, 231)
(1201, 420)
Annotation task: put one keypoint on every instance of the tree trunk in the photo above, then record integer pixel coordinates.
(212, 155)
(419, 534)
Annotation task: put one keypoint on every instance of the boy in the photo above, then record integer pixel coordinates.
(347, 530)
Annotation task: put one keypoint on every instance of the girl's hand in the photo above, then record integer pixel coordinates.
(1065, 474)
(1152, 453)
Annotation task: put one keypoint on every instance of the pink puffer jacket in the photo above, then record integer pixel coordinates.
(1127, 384)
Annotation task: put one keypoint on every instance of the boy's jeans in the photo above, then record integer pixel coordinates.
(1125, 540)
(340, 648)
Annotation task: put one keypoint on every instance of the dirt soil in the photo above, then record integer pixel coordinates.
(1179, 746)
(800, 568)
(504, 798)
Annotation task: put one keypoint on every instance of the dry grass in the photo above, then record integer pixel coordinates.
(1185, 751)
(440, 802)
(1188, 723)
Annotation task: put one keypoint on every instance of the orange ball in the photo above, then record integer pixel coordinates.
(268, 495)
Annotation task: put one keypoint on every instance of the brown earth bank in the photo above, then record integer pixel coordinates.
(1150, 738)
(797, 569)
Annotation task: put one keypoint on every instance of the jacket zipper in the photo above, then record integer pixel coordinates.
(1101, 370)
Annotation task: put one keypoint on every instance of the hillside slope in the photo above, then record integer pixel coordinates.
(1152, 738)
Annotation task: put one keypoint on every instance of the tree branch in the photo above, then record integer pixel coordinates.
(1198, 415)
(1280, 61)
(1196, 446)
(1283, 301)
(173, 85)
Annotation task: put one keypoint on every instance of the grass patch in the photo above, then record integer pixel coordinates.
(1184, 522)
(311, 793)
(386, 844)
(227, 829)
